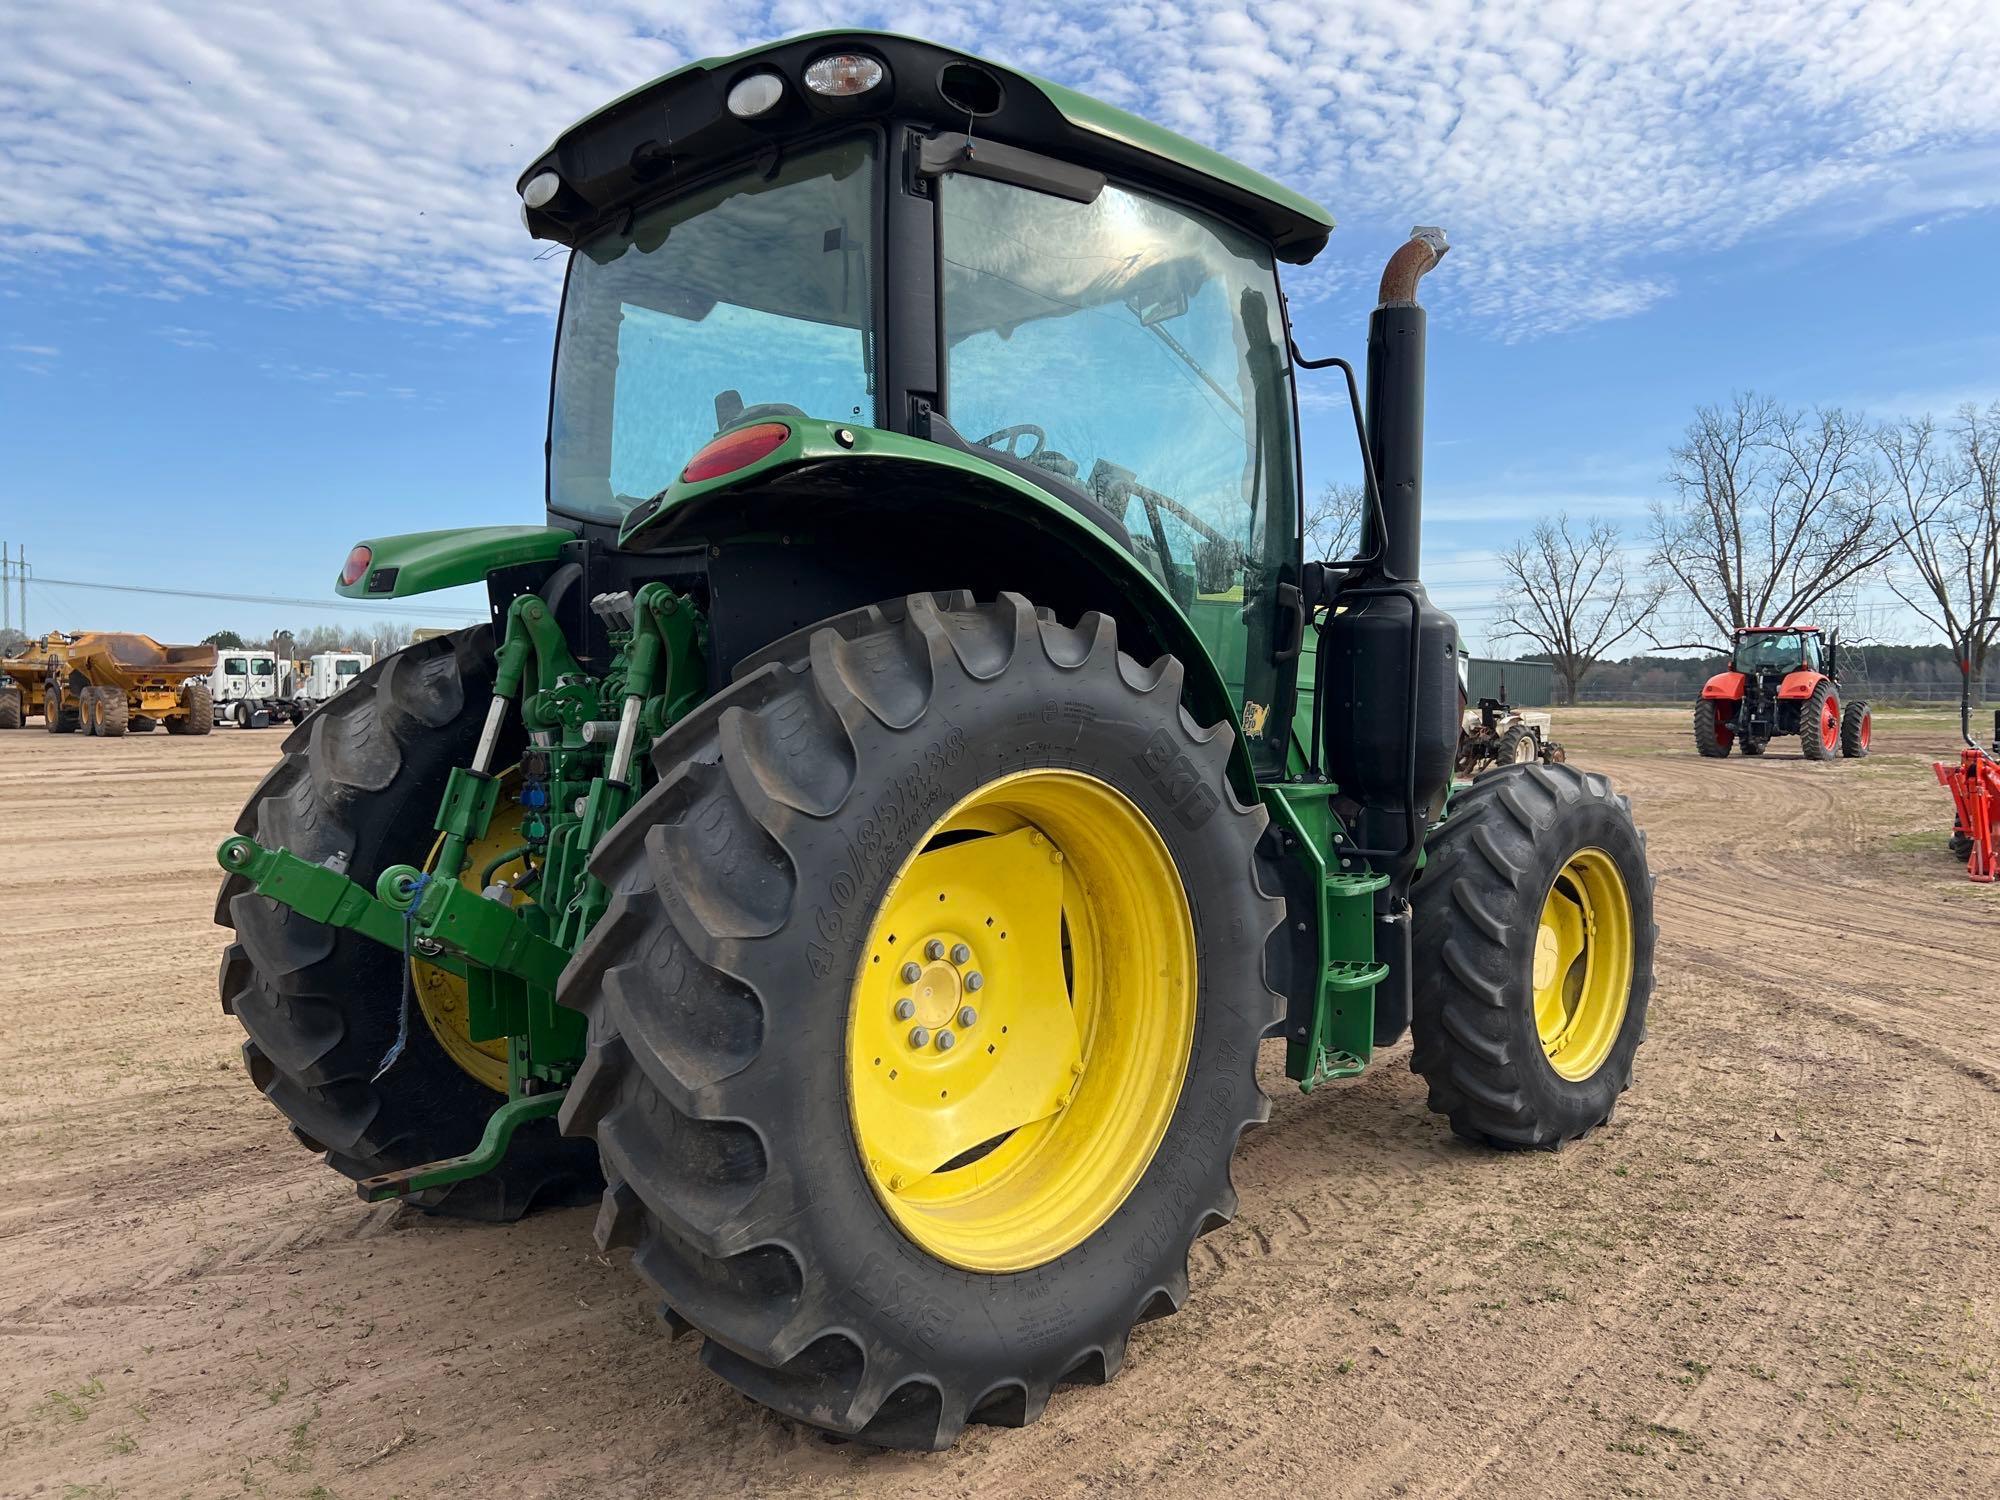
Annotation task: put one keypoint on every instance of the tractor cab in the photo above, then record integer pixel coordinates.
(1779, 650)
(1049, 322)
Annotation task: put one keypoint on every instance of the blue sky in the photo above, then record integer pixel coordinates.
(263, 289)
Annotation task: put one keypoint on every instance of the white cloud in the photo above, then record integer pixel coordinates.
(185, 338)
(365, 153)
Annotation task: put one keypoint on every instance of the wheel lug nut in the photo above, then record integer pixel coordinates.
(960, 953)
(919, 1037)
(967, 1015)
(974, 980)
(934, 950)
(911, 973)
(946, 1041)
(905, 1008)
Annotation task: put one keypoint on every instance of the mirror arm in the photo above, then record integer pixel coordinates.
(1371, 559)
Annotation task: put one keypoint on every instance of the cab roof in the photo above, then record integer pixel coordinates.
(677, 126)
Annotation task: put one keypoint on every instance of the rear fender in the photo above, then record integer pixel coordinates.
(419, 562)
(1799, 685)
(892, 514)
(1725, 685)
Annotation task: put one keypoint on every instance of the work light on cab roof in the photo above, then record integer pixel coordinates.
(842, 75)
(541, 189)
(915, 767)
(755, 94)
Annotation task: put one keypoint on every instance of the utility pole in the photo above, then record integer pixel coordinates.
(13, 569)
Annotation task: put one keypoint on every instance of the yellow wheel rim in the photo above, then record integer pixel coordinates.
(442, 996)
(1583, 964)
(1042, 927)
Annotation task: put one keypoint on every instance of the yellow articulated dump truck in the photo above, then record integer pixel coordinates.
(108, 683)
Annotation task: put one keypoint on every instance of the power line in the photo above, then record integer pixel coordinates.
(388, 606)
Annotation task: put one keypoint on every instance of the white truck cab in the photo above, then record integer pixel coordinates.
(253, 675)
(330, 671)
(254, 688)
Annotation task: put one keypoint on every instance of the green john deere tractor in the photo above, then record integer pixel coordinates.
(884, 816)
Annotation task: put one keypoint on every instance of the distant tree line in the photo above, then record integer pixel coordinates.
(1773, 515)
(378, 639)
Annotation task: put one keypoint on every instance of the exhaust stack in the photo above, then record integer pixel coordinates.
(1388, 658)
(1395, 402)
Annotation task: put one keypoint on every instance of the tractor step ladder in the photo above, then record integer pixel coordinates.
(1341, 1035)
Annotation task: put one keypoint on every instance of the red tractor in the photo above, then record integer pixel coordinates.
(1782, 679)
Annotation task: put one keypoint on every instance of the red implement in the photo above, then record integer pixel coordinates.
(1974, 784)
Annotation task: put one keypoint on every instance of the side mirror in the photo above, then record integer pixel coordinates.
(1315, 584)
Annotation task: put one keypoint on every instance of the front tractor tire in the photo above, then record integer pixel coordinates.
(1712, 734)
(1534, 944)
(358, 786)
(925, 1015)
(1518, 746)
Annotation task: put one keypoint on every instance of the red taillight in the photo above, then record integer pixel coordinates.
(356, 564)
(735, 450)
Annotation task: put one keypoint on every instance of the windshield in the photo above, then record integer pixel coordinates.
(1137, 349)
(346, 668)
(1781, 650)
(753, 292)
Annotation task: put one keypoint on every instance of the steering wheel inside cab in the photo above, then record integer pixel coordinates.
(731, 412)
(1008, 439)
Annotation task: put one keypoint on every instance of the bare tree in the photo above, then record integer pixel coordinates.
(383, 637)
(379, 638)
(1946, 491)
(1333, 522)
(1572, 597)
(1774, 510)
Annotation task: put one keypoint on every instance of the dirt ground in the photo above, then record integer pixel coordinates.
(1775, 1274)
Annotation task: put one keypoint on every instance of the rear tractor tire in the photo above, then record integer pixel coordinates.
(142, 724)
(358, 786)
(11, 708)
(1711, 727)
(197, 715)
(1857, 730)
(1534, 944)
(925, 1015)
(1819, 724)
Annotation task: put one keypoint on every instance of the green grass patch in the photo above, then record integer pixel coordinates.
(74, 1405)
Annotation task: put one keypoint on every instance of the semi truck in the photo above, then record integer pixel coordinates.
(254, 689)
